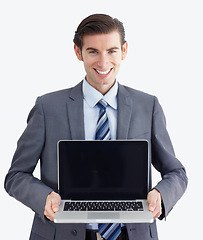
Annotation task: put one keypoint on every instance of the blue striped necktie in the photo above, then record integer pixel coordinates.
(109, 231)
(102, 130)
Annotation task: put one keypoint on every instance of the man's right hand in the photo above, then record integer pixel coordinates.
(52, 205)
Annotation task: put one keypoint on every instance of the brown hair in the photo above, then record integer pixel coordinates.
(97, 24)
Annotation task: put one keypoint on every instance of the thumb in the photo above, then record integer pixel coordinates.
(55, 203)
(152, 206)
(151, 202)
(55, 207)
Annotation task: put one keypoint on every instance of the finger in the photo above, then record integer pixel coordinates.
(55, 206)
(52, 205)
(151, 202)
(48, 212)
(157, 212)
(154, 200)
(152, 206)
(157, 215)
(56, 200)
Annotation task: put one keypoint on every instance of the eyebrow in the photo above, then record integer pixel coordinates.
(94, 49)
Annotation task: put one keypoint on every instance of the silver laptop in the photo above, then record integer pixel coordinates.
(103, 181)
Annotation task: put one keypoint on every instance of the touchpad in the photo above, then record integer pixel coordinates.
(103, 215)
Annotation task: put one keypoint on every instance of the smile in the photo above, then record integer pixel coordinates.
(103, 73)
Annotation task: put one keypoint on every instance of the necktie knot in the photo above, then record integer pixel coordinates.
(102, 104)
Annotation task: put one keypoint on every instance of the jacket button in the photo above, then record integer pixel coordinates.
(74, 232)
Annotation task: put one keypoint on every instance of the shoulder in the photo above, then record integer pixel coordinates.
(60, 95)
(56, 95)
(136, 95)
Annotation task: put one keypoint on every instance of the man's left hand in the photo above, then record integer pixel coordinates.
(154, 200)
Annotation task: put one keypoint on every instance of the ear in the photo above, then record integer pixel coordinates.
(125, 50)
(78, 53)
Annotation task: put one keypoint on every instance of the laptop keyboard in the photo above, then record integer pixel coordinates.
(103, 206)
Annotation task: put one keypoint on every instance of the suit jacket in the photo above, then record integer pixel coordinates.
(59, 115)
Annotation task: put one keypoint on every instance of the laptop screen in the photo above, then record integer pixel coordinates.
(103, 170)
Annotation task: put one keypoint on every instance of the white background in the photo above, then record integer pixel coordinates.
(165, 59)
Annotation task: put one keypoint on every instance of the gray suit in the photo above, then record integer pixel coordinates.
(59, 115)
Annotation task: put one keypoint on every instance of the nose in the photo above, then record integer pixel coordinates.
(102, 62)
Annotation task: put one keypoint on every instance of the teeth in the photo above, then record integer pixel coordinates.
(100, 72)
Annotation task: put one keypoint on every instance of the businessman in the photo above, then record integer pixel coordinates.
(72, 114)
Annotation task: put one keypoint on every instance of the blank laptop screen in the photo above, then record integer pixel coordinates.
(103, 170)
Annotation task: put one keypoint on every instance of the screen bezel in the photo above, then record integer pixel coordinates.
(116, 194)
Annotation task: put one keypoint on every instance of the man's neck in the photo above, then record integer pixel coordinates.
(102, 88)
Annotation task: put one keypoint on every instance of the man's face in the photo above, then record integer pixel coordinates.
(102, 55)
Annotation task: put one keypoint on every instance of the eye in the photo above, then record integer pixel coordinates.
(112, 51)
(93, 52)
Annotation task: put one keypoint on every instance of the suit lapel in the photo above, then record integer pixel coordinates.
(76, 113)
(124, 113)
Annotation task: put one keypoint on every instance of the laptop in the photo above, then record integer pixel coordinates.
(103, 181)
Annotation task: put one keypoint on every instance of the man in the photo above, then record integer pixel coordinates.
(72, 114)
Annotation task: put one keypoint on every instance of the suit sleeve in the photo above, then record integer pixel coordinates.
(20, 182)
(174, 180)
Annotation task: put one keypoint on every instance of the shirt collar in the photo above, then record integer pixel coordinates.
(92, 96)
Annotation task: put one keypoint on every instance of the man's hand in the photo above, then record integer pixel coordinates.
(52, 205)
(154, 200)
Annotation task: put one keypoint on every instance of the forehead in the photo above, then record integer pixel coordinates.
(102, 41)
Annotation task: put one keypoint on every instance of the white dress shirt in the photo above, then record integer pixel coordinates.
(91, 110)
(91, 115)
